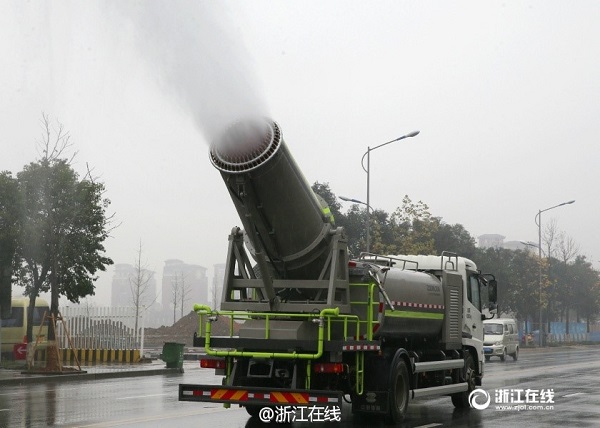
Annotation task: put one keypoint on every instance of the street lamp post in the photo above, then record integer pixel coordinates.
(356, 201)
(538, 222)
(367, 170)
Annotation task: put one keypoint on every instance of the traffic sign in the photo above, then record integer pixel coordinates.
(20, 351)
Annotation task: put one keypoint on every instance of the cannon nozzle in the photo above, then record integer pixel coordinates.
(246, 146)
(282, 216)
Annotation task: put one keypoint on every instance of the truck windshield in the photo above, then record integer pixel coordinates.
(492, 329)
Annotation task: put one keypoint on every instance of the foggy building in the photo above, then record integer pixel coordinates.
(217, 285)
(124, 279)
(120, 289)
(185, 283)
(516, 245)
(491, 240)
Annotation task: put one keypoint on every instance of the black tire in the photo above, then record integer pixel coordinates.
(503, 356)
(516, 354)
(398, 392)
(469, 375)
(487, 357)
(253, 410)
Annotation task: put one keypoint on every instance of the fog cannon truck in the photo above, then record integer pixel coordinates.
(310, 326)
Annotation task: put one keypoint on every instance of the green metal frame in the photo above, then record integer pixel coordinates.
(327, 313)
(325, 319)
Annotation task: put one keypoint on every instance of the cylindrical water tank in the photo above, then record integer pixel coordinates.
(418, 301)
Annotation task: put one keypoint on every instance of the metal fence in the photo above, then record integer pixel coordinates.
(101, 328)
(575, 337)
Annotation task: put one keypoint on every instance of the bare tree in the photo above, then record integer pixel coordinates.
(550, 237)
(140, 285)
(55, 141)
(215, 295)
(175, 296)
(88, 306)
(549, 240)
(185, 291)
(180, 292)
(567, 250)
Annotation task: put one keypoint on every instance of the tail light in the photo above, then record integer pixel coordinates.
(329, 368)
(212, 363)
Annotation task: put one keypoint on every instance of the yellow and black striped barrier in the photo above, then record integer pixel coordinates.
(100, 355)
(93, 356)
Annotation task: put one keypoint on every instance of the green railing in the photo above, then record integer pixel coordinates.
(326, 319)
(323, 317)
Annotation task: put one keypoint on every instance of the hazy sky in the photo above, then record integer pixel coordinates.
(506, 95)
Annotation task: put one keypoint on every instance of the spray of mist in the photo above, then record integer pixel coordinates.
(193, 48)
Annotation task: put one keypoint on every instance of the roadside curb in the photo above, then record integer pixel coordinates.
(557, 348)
(22, 379)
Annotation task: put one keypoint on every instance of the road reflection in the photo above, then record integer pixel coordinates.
(418, 412)
(50, 405)
(40, 408)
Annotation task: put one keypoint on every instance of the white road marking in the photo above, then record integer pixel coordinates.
(574, 394)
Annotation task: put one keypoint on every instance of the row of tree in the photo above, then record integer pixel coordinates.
(53, 224)
(569, 284)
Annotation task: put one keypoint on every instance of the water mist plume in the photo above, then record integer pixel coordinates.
(200, 59)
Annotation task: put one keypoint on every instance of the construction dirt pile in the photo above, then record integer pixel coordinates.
(183, 331)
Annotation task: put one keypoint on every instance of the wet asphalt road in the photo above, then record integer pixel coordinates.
(548, 387)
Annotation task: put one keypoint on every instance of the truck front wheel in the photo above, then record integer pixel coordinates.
(516, 354)
(398, 392)
(461, 399)
(503, 356)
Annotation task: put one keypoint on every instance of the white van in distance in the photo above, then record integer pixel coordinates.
(500, 338)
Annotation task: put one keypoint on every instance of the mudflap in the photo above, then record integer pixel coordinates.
(375, 402)
(375, 398)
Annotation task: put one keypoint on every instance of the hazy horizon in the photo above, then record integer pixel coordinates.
(504, 95)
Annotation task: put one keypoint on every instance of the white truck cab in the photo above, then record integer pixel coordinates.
(500, 339)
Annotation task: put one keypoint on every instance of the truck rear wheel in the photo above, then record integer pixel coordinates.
(253, 410)
(398, 392)
(461, 399)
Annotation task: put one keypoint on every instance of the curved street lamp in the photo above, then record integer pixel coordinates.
(538, 222)
(367, 170)
(356, 201)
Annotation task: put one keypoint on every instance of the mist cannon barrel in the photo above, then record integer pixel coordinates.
(281, 215)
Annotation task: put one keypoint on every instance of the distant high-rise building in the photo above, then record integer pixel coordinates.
(491, 240)
(121, 290)
(124, 283)
(217, 285)
(179, 277)
(516, 245)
